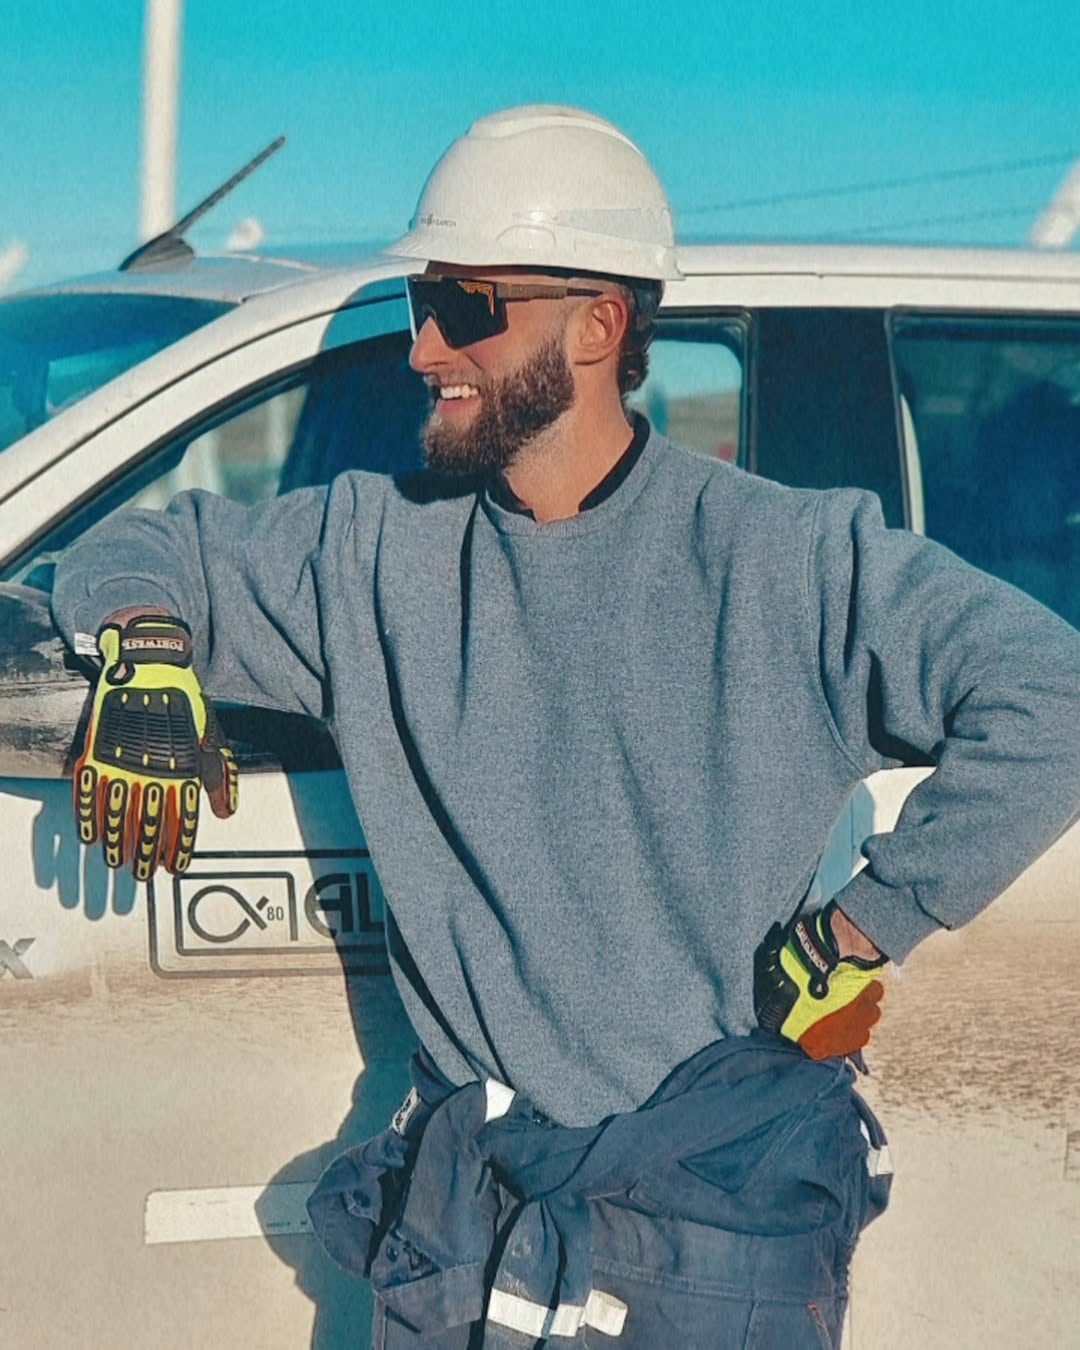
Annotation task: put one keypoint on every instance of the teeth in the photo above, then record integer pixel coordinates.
(458, 391)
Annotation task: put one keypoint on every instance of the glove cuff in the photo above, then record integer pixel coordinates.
(814, 946)
(161, 639)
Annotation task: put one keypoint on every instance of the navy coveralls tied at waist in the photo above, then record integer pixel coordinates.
(471, 1177)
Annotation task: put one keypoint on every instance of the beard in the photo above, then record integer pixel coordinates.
(514, 409)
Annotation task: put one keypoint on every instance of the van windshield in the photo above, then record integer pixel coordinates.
(56, 349)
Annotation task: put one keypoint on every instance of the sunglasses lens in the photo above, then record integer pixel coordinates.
(462, 316)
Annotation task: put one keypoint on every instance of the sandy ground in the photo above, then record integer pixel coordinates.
(111, 1090)
(976, 1073)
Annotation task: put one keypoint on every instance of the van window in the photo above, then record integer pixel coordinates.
(56, 349)
(694, 390)
(354, 407)
(995, 418)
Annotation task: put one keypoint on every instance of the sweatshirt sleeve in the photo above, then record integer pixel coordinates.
(926, 660)
(246, 580)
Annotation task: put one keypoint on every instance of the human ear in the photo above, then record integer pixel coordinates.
(598, 328)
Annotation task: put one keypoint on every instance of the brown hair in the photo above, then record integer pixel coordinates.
(644, 300)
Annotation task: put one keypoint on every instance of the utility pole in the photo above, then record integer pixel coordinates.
(1059, 221)
(161, 100)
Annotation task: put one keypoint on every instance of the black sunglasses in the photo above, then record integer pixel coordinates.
(466, 310)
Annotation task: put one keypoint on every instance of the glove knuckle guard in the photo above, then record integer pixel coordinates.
(86, 780)
(115, 795)
(186, 826)
(149, 831)
(152, 731)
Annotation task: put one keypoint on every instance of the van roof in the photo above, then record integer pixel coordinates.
(237, 277)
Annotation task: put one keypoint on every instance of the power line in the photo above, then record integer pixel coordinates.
(887, 184)
(847, 234)
(962, 219)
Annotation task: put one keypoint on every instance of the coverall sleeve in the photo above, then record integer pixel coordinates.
(927, 660)
(246, 580)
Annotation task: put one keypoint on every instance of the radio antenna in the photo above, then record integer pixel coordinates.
(170, 247)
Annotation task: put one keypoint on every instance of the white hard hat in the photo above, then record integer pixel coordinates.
(546, 187)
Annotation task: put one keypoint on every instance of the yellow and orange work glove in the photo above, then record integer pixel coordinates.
(151, 741)
(805, 990)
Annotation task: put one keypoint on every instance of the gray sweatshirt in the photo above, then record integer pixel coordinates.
(595, 759)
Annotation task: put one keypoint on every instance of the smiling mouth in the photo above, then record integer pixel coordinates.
(453, 393)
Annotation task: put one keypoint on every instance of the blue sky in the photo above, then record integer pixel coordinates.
(765, 101)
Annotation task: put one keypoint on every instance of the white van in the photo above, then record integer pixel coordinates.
(179, 1061)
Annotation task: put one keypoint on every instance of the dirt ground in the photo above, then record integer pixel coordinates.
(976, 1074)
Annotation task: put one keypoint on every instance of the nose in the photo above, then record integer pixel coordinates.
(429, 349)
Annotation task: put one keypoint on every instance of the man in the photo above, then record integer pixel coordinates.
(600, 701)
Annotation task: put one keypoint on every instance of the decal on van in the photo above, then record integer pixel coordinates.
(11, 958)
(268, 913)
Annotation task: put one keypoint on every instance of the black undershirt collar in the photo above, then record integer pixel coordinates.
(501, 493)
